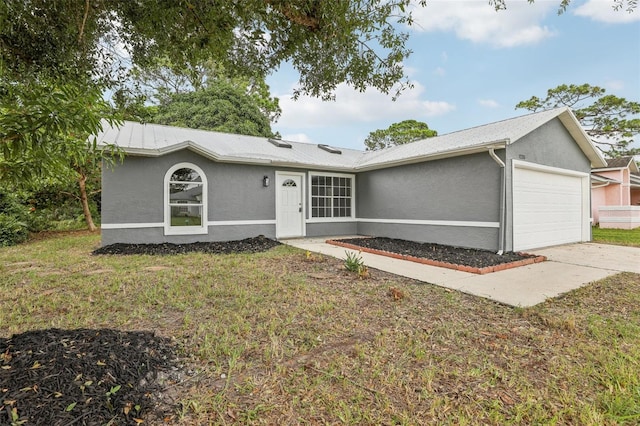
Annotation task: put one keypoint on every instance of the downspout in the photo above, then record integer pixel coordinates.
(503, 199)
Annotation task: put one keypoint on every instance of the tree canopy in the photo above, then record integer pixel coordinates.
(93, 45)
(220, 107)
(612, 122)
(327, 42)
(398, 134)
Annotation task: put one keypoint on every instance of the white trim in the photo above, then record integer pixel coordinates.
(463, 223)
(331, 219)
(185, 230)
(626, 219)
(614, 208)
(353, 198)
(131, 225)
(210, 223)
(303, 228)
(548, 169)
(241, 222)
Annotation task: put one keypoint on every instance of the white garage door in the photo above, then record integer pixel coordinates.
(550, 206)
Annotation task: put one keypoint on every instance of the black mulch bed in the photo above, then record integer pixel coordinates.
(86, 377)
(248, 245)
(442, 253)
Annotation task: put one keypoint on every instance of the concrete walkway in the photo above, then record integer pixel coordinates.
(567, 268)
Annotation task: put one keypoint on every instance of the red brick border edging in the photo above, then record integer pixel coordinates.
(488, 269)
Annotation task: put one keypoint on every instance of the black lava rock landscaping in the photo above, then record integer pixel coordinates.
(248, 245)
(86, 377)
(437, 252)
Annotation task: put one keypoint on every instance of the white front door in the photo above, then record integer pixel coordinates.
(289, 205)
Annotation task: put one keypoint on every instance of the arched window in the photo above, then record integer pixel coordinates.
(289, 182)
(185, 191)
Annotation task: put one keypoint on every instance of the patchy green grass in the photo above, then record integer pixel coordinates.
(627, 237)
(285, 337)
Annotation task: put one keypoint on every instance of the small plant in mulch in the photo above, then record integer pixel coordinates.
(86, 377)
(354, 263)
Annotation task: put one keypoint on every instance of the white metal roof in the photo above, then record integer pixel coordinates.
(155, 140)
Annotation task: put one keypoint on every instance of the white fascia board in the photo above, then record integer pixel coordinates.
(582, 138)
(475, 149)
(608, 169)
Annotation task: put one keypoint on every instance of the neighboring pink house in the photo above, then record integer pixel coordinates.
(615, 194)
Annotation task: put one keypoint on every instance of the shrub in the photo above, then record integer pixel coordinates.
(12, 230)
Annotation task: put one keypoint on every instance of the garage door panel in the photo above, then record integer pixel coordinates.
(547, 208)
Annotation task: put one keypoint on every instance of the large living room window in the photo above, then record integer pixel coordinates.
(332, 196)
(185, 200)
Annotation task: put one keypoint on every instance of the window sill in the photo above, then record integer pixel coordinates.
(186, 230)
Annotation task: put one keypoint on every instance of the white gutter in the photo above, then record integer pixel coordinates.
(503, 199)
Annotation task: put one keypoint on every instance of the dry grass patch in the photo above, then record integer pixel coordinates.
(285, 337)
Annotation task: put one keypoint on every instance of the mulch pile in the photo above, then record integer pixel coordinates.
(86, 377)
(441, 253)
(248, 245)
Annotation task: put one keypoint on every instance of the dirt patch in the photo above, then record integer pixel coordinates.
(464, 259)
(86, 377)
(248, 245)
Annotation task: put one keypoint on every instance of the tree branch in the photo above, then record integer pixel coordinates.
(84, 21)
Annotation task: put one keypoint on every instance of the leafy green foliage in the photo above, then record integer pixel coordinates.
(398, 134)
(43, 123)
(44, 133)
(612, 122)
(13, 226)
(204, 96)
(353, 262)
(220, 107)
(356, 42)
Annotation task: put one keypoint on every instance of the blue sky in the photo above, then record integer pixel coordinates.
(472, 65)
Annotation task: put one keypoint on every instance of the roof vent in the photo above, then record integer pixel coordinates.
(279, 143)
(330, 149)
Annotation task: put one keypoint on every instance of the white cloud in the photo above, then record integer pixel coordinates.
(489, 103)
(478, 22)
(439, 71)
(297, 137)
(614, 85)
(353, 107)
(602, 11)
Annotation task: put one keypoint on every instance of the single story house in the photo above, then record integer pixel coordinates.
(615, 194)
(512, 185)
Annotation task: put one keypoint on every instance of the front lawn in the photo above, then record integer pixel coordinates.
(626, 237)
(288, 337)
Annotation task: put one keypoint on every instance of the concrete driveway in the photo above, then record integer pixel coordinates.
(568, 267)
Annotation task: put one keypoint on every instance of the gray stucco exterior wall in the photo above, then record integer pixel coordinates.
(550, 145)
(133, 193)
(323, 229)
(459, 189)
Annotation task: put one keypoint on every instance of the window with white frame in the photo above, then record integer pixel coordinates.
(332, 196)
(185, 195)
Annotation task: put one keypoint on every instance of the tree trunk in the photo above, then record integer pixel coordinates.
(84, 199)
